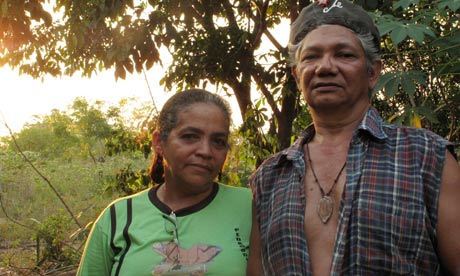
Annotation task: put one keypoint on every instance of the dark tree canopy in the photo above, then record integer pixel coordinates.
(218, 43)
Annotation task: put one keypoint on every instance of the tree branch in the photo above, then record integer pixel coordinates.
(42, 176)
(269, 96)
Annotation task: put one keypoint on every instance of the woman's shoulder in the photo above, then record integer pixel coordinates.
(122, 202)
(241, 193)
(137, 196)
(234, 189)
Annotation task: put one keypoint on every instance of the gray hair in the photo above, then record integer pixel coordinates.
(367, 43)
(168, 117)
(343, 13)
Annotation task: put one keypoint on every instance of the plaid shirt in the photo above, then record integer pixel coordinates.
(388, 212)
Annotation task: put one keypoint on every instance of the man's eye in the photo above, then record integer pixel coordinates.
(220, 143)
(346, 55)
(308, 57)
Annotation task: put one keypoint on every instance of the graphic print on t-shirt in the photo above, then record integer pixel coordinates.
(181, 261)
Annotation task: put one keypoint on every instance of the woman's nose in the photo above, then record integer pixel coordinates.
(204, 148)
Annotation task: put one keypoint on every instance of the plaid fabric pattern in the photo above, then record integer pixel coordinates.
(388, 211)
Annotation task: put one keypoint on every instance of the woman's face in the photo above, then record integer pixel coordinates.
(195, 150)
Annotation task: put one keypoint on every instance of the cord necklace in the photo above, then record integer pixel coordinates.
(325, 206)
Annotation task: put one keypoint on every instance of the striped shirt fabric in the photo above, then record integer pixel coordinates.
(388, 211)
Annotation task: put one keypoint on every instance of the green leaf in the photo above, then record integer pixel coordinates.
(408, 85)
(428, 113)
(387, 27)
(416, 34)
(391, 88)
(404, 4)
(398, 35)
(454, 5)
(417, 77)
(383, 80)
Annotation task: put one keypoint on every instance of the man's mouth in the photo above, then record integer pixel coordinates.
(326, 84)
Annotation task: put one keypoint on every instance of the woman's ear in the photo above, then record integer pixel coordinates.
(156, 143)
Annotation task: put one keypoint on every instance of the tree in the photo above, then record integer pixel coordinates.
(214, 41)
(50, 136)
(84, 129)
(219, 42)
(421, 82)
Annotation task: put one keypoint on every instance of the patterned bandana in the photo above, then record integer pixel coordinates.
(336, 12)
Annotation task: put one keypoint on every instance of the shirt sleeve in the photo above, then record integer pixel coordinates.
(97, 258)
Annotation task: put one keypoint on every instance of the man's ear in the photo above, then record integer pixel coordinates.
(294, 73)
(374, 74)
(156, 142)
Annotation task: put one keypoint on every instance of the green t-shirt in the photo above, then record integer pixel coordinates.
(133, 236)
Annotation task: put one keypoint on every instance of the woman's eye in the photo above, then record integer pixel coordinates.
(189, 136)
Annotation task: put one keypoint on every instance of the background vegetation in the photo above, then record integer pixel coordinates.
(58, 173)
(92, 153)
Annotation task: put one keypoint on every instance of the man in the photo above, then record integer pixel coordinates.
(353, 195)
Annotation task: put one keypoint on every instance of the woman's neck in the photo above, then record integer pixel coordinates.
(177, 199)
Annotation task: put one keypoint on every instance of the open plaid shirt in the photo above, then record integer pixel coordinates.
(388, 212)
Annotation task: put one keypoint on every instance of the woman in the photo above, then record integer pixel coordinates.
(186, 224)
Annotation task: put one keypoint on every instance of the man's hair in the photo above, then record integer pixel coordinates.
(341, 13)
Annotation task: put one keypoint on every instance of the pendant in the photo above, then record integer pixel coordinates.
(325, 208)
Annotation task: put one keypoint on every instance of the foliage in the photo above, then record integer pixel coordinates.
(212, 42)
(85, 183)
(85, 129)
(53, 145)
(82, 184)
(57, 245)
(220, 42)
(91, 150)
(421, 84)
(240, 162)
(128, 182)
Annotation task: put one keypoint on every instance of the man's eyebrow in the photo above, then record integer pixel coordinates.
(317, 47)
(198, 130)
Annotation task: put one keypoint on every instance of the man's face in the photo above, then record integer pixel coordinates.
(331, 69)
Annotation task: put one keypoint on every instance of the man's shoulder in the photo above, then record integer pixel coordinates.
(400, 132)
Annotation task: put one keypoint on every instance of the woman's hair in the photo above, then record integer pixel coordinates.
(168, 119)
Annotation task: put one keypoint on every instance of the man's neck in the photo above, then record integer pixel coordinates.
(337, 128)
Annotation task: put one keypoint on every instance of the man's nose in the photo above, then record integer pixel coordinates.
(326, 65)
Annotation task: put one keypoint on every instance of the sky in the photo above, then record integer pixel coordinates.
(21, 96)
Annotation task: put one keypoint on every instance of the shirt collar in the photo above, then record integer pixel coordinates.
(372, 124)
